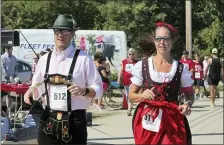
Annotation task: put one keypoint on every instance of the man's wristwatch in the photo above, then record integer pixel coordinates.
(86, 92)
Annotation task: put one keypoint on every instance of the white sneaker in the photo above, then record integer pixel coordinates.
(212, 105)
(197, 96)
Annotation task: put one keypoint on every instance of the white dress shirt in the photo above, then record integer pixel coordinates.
(85, 75)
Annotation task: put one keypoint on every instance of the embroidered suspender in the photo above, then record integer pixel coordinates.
(145, 73)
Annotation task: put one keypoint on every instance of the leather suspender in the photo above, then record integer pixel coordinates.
(69, 101)
(69, 77)
(46, 77)
(73, 65)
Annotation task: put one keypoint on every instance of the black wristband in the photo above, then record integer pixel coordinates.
(86, 92)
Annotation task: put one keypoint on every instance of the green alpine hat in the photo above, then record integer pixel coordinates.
(64, 22)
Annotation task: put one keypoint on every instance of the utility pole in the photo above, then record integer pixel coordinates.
(188, 27)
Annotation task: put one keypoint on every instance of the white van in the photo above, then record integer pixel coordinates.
(112, 44)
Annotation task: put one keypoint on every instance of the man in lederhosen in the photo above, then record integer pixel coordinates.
(70, 80)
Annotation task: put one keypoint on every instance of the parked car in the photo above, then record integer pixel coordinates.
(24, 71)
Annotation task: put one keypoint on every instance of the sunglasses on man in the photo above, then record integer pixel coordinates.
(62, 31)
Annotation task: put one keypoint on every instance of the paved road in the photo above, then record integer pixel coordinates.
(206, 125)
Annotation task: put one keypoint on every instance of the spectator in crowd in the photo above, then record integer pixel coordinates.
(105, 78)
(125, 75)
(205, 64)
(35, 61)
(187, 61)
(197, 75)
(9, 73)
(8, 64)
(214, 71)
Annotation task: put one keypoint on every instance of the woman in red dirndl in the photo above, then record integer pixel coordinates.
(159, 119)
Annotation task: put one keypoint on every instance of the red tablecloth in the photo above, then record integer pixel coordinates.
(17, 88)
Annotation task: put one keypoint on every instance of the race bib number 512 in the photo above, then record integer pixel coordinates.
(59, 96)
(59, 93)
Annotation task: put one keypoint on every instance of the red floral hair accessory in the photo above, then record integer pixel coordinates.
(159, 24)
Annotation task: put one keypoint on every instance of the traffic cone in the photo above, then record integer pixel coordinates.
(125, 103)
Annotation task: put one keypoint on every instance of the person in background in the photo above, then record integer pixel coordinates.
(96, 56)
(35, 61)
(204, 61)
(222, 62)
(9, 73)
(105, 78)
(198, 75)
(205, 64)
(106, 64)
(190, 65)
(214, 71)
(125, 75)
(187, 61)
(8, 65)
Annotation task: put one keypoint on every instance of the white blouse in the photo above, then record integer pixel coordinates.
(160, 77)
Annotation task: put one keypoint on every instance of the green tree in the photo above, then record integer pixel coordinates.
(22, 14)
(208, 20)
(135, 17)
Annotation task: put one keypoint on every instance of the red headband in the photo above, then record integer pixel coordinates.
(159, 24)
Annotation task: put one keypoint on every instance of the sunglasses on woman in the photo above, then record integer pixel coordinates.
(166, 39)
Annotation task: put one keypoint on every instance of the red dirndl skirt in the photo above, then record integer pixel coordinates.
(156, 122)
